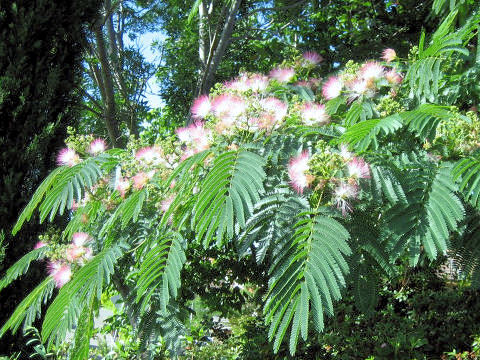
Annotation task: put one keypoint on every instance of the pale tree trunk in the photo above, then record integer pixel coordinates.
(202, 35)
(218, 45)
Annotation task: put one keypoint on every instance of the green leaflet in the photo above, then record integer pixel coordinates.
(160, 270)
(424, 76)
(88, 281)
(127, 211)
(21, 266)
(227, 195)
(465, 248)
(424, 120)
(365, 133)
(30, 307)
(309, 270)
(84, 331)
(57, 192)
(431, 212)
(467, 173)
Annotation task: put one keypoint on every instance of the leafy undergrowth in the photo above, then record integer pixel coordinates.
(420, 317)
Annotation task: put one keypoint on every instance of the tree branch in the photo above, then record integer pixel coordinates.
(278, 8)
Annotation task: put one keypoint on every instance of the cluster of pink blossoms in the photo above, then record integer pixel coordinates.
(297, 171)
(246, 106)
(366, 81)
(68, 157)
(76, 254)
(345, 189)
(195, 137)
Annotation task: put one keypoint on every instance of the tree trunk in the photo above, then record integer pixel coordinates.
(217, 50)
(107, 78)
(202, 35)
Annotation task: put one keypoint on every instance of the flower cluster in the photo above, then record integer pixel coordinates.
(334, 172)
(243, 108)
(64, 259)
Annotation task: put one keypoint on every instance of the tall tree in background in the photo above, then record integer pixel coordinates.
(41, 46)
(116, 74)
(214, 40)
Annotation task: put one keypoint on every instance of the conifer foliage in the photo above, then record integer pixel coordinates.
(328, 182)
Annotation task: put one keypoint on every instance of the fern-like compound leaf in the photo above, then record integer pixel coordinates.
(63, 312)
(366, 133)
(467, 173)
(21, 266)
(432, 211)
(160, 270)
(63, 185)
(127, 211)
(307, 273)
(424, 120)
(84, 330)
(227, 195)
(30, 307)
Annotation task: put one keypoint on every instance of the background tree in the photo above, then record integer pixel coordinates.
(41, 46)
(202, 47)
(116, 75)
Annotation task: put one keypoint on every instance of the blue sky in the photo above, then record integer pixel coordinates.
(144, 42)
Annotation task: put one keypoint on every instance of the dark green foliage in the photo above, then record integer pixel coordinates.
(431, 211)
(40, 64)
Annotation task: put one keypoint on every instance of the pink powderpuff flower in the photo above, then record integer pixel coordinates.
(75, 253)
(257, 83)
(165, 204)
(88, 254)
(40, 244)
(275, 107)
(282, 74)
(332, 88)
(150, 155)
(196, 135)
(345, 153)
(358, 169)
(239, 84)
(342, 194)
(314, 114)
(358, 87)
(75, 205)
(67, 157)
(140, 180)
(311, 58)
(389, 55)
(393, 77)
(228, 107)
(297, 171)
(97, 146)
(183, 134)
(201, 107)
(80, 238)
(122, 187)
(372, 71)
(61, 273)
